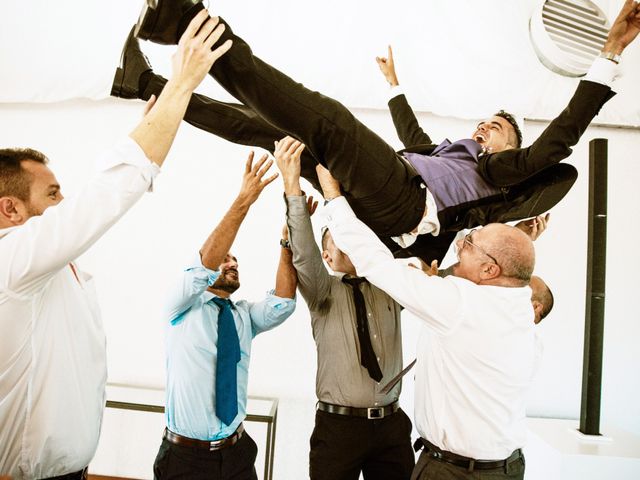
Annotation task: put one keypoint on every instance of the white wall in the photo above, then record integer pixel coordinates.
(457, 55)
(138, 258)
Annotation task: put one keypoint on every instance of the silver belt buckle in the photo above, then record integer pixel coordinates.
(215, 444)
(374, 413)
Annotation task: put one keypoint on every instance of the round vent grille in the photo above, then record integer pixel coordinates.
(568, 34)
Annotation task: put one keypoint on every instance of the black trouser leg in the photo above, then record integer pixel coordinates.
(376, 182)
(79, 475)
(233, 463)
(233, 122)
(343, 446)
(391, 456)
(429, 468)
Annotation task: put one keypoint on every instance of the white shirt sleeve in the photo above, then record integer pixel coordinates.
(435, 300)
(190, 285)
(32, 252)
(603, 71)
(395, 91)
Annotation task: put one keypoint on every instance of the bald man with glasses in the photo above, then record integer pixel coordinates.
(477, 351)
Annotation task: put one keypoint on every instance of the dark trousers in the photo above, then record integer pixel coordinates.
(343, 446)
(80, 475)
(429, 468)
(380, 187)
(233, 463)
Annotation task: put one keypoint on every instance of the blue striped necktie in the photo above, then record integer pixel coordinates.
(226, 366)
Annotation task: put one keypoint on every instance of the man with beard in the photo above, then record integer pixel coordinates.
(208, 345)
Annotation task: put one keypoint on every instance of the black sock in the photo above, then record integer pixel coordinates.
(143, 81)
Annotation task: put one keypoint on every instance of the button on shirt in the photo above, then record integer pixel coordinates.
(52, 346)
(476, 353)
(341, 379)
(191, 336)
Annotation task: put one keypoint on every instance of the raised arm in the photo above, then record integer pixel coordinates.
(509, 167)
(433, 299)
(286, 278)
(44, 244)
(219, 242)
(409, 131)
(388, 68)
(191, 62)
(313, 278)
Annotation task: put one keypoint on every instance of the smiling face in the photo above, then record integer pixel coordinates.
(495, 135)
(474, 255)
(27, 192)
(229, 279)
(45, 189)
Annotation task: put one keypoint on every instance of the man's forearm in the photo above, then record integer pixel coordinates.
(286, 278)
(220, 240)
(313, 278)
(157, 130)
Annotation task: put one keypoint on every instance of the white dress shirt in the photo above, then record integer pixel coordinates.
(476, 353)
(52, 345)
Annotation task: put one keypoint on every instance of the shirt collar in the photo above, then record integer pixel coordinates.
(6, 231)
(208, 296)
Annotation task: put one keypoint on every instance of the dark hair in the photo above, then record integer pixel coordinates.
(15, 180)
(545, 297)
(512, 121)
(323, 234)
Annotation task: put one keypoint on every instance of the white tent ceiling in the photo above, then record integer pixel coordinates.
(460, 58)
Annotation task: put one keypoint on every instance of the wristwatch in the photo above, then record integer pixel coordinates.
(614, 57)
(285, 243)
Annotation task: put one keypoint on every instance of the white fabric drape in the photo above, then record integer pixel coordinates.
(459, 58)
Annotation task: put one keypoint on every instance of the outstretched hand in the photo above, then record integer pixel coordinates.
(534, 227)
(330, 186)
(625, 28)
(431, 270)
(195, 57)
(252, 179)
(388, 68)
(312, 205)
(287, 154)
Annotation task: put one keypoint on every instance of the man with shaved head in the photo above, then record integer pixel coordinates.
(541, 298)
(477, 351)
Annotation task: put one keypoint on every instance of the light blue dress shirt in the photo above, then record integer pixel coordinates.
(191, 336)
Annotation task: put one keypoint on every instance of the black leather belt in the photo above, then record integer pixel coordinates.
(372, 413)
(79, 475)
(203, 444)
(470, 464)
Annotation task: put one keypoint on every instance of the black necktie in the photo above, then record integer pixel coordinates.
(367, 356)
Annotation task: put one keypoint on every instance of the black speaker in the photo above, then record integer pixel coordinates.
(595, 295)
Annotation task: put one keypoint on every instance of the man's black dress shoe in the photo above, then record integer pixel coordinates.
(161, 21)
(133, 63)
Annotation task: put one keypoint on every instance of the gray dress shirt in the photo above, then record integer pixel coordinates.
(340, 379)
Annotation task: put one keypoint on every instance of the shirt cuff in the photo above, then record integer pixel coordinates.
(128, 152)
(196, 263)
(296, 204)
(279, 303)
(603, 71)
(395, 92)
(338, 210)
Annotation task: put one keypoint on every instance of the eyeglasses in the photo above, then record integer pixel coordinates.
(467, 240)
